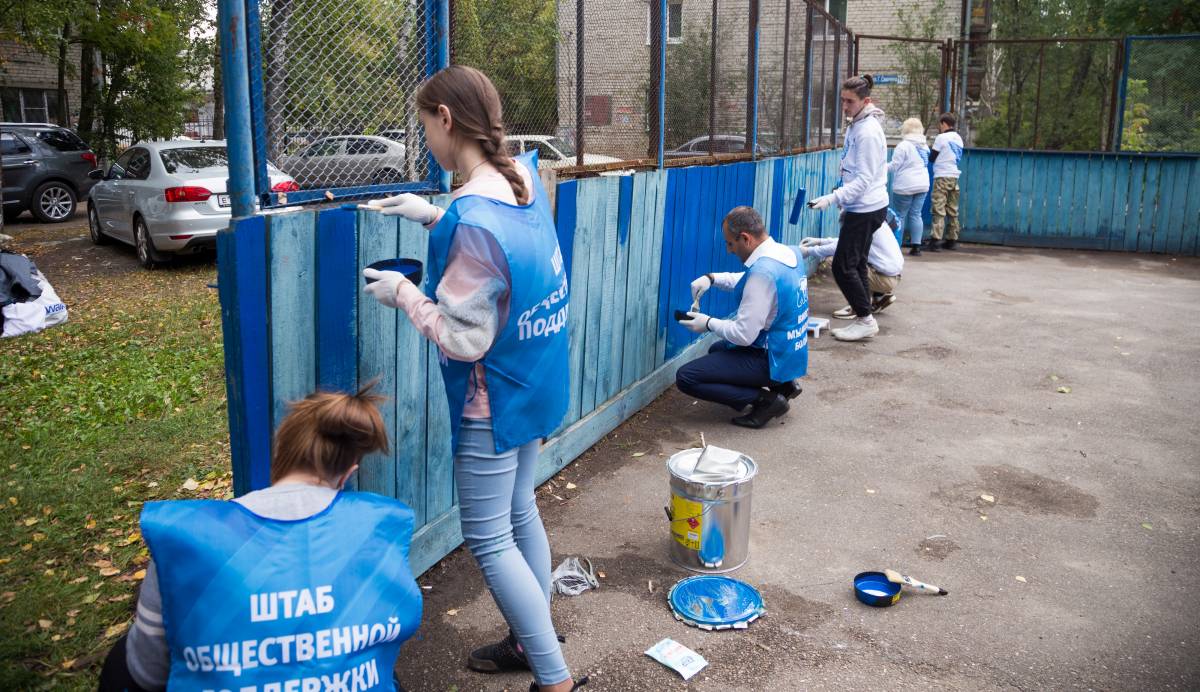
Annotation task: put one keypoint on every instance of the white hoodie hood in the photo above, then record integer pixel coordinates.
(910, 166)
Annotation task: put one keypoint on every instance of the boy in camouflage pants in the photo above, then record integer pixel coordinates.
(945, 155)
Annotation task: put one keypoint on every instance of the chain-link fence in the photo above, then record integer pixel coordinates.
(1161, 110)
(1053, 94)
(339, 79)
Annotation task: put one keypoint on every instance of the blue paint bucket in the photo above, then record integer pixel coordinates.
(874, 589)
(411, 268)
(715, 602)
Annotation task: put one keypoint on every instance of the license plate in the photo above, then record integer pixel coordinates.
(222, 200)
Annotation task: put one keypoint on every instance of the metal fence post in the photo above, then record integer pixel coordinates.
(808, 40)
(437, 57)
(258, 116)
(783, 110)
(966, 53)
(231, 18)
(578, 82)
(837, 83)
(1120, 134)
(712, 83)
(1114, 135)
(752, 80)
(1037, 99)
(661, 76)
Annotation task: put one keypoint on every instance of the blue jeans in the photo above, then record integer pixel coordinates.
(503, 530)
(908, 208)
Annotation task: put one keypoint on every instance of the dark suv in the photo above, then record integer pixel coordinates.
(45, 170)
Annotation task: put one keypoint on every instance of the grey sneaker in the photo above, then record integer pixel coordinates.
(858, 330)
(846, 313)
(883, 301)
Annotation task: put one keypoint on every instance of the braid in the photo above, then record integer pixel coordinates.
(493, 149)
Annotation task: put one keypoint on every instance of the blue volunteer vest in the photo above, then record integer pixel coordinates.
(527, 368)
(251, 603)
(786, 339)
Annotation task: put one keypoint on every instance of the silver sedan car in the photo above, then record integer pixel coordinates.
(166, 198)
(345, 161)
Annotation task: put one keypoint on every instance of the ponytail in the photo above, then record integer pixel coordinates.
(478, 115)
(328, 433)
(861, 86)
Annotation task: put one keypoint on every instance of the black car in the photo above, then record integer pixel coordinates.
(45, 170)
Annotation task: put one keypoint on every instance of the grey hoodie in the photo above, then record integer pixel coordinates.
(864, 164)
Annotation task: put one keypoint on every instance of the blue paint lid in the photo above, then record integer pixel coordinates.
(715, 602)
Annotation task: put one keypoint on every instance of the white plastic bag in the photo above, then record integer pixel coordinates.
(47, 310)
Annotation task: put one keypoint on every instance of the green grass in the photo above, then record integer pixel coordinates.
(121, 405)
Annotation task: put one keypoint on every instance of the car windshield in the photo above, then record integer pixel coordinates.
(193, 159)
(564, 147)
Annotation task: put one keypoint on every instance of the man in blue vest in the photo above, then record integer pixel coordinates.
(764, 347)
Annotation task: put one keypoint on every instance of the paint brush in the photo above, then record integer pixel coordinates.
(897, 578)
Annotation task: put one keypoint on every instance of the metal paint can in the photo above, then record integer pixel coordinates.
(709, 514)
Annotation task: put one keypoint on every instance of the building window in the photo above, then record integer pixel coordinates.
(30, 105)
(674, 21)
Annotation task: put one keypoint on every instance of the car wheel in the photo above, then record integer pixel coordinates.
(53, 202)
(387, 176)
(146, 254)
(98, 237)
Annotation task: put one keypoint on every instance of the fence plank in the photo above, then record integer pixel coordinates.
(440, 493)
(666, 263)
(1135, 174)
(377, 349)
(595, 291)
(412, 391)
(654, 329)
(1149, 217)
(1162, 217)
(635, 293)
(1095, 179)
(337, 300)
(1191, 216)
(1108, 195)
(580, 266)
(1175, 203)
(611, 318)
(292, 259)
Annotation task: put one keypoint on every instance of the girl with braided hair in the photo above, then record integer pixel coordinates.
(497, 310)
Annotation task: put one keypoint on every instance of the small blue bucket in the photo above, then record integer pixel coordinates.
(411, 268)
(874, 589)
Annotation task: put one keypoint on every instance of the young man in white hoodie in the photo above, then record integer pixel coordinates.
(863, 198)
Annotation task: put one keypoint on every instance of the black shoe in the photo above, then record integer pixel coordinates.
(915, 251)
(576, 684)
(787, 390)
(934, 246)
(950, 245)
(769, 405)
(501, 657)
(881, 303)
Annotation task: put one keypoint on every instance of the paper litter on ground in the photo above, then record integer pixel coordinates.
(677, 657)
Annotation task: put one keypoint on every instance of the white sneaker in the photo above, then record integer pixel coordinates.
(846, 313)
(858, 330)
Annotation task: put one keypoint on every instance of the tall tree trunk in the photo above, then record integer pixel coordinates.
(63, 117)
(218, 122)
(87, 92)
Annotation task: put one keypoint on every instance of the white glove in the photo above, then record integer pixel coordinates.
(810, 241)
(385, 286)
(822, 202)
(407, 205)
(698, 322)
(699, 287)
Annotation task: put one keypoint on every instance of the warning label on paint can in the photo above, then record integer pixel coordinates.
(686, 521)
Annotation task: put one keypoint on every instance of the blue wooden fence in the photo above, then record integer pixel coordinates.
(1092, 201)
(295, 317)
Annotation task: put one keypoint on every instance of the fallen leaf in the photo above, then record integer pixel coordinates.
(987, 498)
(602, 575)
(12, 501)
(1021, 579)
(90, 598)
(31, 521)
(1054, 378)
(452, 612)
(100, 564)
(983, 517)
(116, 629)
(190, 484)
(118, 599)
(38, 537)
(68, 664)
(1148, 527)
(47, 511)
(638, 454)
(152, 484)
(91, 524)
(571, 486)
(1063, 390)
(72, 613)
(45, 624)
(870, 491)
(140, 574)
(109, 572)
(56, 637)
(8, 596)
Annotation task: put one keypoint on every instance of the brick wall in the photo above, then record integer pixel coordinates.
(22, 67)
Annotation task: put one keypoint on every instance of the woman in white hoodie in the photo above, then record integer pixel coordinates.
(863, 199)
(910, 180)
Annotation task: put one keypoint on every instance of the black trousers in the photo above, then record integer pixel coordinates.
(850, 260)
(733, 376)
(114, 676)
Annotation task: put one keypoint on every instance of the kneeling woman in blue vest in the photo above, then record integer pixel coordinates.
(497, 310)
(300, 586)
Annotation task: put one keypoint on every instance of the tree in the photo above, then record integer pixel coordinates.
(921, 62)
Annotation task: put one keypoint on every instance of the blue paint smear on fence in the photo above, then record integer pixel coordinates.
(624, 205)
(564, 221)
(338, 285)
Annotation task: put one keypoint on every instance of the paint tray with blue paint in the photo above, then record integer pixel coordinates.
(874, 589)
(715, 602)
(411, 268)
